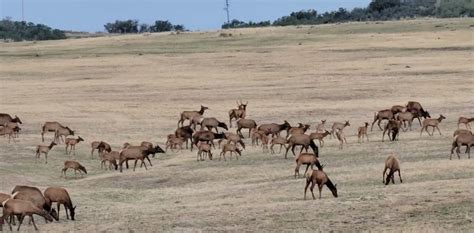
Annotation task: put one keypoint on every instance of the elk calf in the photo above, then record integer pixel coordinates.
(111, 157)
(277, 141)
(76, 166)
(230, 148)
(431, 123)
(71, 142)
(45, 150)
(362, 131)
(393, 165)
(466, 121)
(4, 130)
(204, 149)
(320, 137)
(321, 127)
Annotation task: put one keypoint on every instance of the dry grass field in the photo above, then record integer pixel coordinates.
(133, 88)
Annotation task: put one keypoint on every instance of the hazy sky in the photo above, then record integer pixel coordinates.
(91, 15)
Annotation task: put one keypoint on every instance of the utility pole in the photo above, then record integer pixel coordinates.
(227, 11)
(22, 10)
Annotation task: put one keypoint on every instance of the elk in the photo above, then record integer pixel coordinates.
(206, 136)
(230, 148)
(204, 149)
(397, 108)
(314, 177)
(238, 113)
(149, 145)
(76, 166)
(258, 135)
(137, 153)
(462, 140)
(174, 143)
(6, 118)
(339, 126)
(393, 165)
(101, 147)
(21, 208)
(61, 197)
(232, 137)
(8, 131)
(34, 195)
(62, 133)
(4, 197)
(245, 124)
(386, 114)
(212, 123)
(45, 150)
(341, 137)
(393, 126)
(196, 121)
(308, 159)
(432, 123)
(265, 143)
(320, 137)
(321, 127)
(301, 129)
(71, 142)
(466, 121)
(362, 131)
(277, 141)
(111, 157)
(15, 126)
(301, 140)
(274, 129)
(186, 133)
(188, 115)
(53, 127)
(405, 117)
(417, 110)
(461, 131)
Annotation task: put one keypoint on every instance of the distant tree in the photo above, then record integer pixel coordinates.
(179, 27)
(21, 30)
(126, 26)
(380, 5)
(161, 26)
(144, 28)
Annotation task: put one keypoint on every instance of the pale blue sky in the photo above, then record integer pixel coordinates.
(91, 15)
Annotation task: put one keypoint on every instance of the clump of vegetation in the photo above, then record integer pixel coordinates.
(133, 26)
(21, 30)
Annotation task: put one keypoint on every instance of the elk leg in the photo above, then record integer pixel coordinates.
(311, 189)
(306, 187)
(383, 175)
(20, 221)
(148, 161)
(143, 162)
(400, 176)
(136, 161)
(419, 121)
(287, 149)
(320, 187)
(307, 167)
(46, 157)
(421, 132)
(280, 148)
(59, 206)
(438, 130)
(378, 123)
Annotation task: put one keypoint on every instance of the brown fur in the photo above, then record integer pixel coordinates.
(277, 141)
(111, 157)
(76, 166)
(320, 178)
(230, 148)
(188, 115)
(71, 142)
(21, 208)
(245, 124)
(61, 197)
(466, 121)
(45, 150)
(238, 113)
(320, 137)
(308, 159)
(393, 165)
(362, 132)
(432, 123)
(393, 126)
(204, 149)
(385, 114)
(462, 140)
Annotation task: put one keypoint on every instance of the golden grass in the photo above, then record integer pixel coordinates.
(104, 89)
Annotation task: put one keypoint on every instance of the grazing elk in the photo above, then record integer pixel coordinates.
(273, 128)
(461, 131)
(301, 140)
(431, 123)
(212, 123)
(301, 129)
(462, 140)
(61, 197)
(204, 149)
(277, 141)
(308, 159)
(137, 153)
(321, 127)
(45, 150)
(71, 142)
(245, 124)
(341, 137)
(54, 127)
(6, 118)
(393, 165)
(466, 121)
(362, 132)
(4, 130)
(397, 108)
(386, 114)
(188, 115)
(417, 110)
(174, 143)
(186, 133)
(393, 126)
(314, 177)
(339, 126)
(230, 148)
(34, 195)
(76, 166)
(101, 147)
(238, 113)
(232, 137)
(320, 137)
(111, 157)
(405, 117)
(21, 208)
(206, 136)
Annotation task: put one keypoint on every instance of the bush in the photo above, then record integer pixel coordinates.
(18, 31)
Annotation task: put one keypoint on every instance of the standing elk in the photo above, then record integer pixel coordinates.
(339, 126)
(15, 126)
(258, 135)
(232, 149)
(320, 137)
(405, 117)
(189, 115)
(417, 110)
(62, 133)
(307, 159)
(314, 177)
(195, 121)
(205, 136)
(76, 166)
(238, 113)
(175, 143)
(34, 195)
(6, 118)
(71, 142)
(393, 165)
(4, 130)
(232, 137)
(204, 149)
(397, 109)
(245, 124)
(464, 139)
(362, 132)
(61, 197)
(21, 208)
(301, 140)
(186, 133)
(111, 157)
(212, 123)
(393, 126)
(386, 114)
(278, 141)
(466, 121)
(461, 131)
(274, 129)
(54, 127)
(321, 127)
(45, 150)
(101, 147)
(341, 137)
(301, 129)
(137, 153)
(431, 123)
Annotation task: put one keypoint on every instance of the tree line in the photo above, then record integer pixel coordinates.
(376, 10)
(133, 26)
(21, 30)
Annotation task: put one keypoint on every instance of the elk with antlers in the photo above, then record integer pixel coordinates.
(238, 113)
